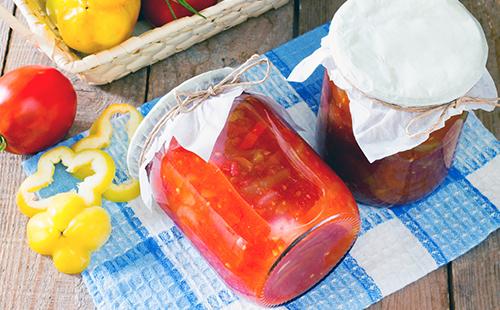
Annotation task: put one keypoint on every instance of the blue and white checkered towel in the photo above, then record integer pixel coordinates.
(149, 264)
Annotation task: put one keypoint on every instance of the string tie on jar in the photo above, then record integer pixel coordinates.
(441, 108)
(190, 100)
(455, 104)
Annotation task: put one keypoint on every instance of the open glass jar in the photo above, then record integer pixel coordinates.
(264, 210)
(394, 98)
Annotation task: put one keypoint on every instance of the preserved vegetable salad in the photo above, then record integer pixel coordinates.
(265, 211)
(397, 179)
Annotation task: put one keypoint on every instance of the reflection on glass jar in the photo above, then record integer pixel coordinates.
(398, 179)
(265, 211)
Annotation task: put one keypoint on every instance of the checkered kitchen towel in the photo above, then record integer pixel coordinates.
(149, 264)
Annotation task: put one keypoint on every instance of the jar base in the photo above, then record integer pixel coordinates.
(308, 260)
(378, 203)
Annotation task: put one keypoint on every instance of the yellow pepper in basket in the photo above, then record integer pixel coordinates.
(69, 231)
(94, 25)
(100, 137)
(90, 189)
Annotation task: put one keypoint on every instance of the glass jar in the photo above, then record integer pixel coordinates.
(398, 179)
(265, 211)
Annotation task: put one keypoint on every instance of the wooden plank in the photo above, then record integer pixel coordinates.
(4, 32)
(487, 13)
(28, 280)
(314, 13)
(230, 48)
(430, 292)
(475, 277)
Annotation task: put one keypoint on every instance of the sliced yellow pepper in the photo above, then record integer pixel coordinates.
(90, 189)
(99, 137)
(91, 26)
(69, 231)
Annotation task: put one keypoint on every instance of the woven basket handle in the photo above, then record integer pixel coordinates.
(15, 24)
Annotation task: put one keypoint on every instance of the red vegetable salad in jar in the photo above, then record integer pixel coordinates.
(262, 207)
(398, 84)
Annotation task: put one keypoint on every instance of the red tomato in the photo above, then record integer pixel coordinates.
(37, 108)
(158, 13)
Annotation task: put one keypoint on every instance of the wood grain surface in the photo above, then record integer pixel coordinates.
(475, 277)
(487, 13)
(4, 33)
(29, 281)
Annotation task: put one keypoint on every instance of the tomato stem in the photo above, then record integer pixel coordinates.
(3, 143)
(171, 9)
(185, 4)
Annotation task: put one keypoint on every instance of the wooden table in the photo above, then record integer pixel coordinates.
(29, 281)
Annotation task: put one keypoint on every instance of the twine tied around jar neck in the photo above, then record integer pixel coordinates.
(430, 109)
(189, 100)
(192, 99)
(427, 110)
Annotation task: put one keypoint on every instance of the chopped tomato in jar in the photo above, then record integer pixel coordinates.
(265, 211)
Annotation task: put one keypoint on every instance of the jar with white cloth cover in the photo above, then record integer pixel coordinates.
(400, 78)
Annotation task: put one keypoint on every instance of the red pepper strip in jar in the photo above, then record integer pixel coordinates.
(252, 137)
(265, 211)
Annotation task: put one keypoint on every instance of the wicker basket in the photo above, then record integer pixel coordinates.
(139, 51)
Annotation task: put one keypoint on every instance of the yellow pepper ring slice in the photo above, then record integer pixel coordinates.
(69, 231)
(100, 136)
(90, 189)
(101, 131)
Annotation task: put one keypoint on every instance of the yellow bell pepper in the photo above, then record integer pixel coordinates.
(100, 137)
(94, 25)
(90, 189)
(69, 231)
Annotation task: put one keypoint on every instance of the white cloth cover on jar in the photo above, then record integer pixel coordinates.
(411, 53)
